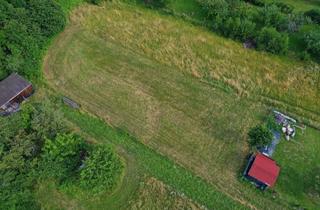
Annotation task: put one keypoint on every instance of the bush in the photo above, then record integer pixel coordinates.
(156, 3)
(295, 22)
(259, 3)
(312, 42)
(21, 140)
(216, 9)
(96, 2)
(314, 14)
(102, 169)
(285, 8)
(259, 136)
(304, 56)
(270, 40)
(271, 16)
(240, 29)
(62, 156)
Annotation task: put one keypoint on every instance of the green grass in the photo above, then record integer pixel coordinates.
(182, 91)
(299, 160)
(154, 164)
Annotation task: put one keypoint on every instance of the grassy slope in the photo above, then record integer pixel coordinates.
(154, 164)
(170, 116)
(210, 58)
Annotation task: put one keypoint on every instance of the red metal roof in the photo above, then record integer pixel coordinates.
(264, 169)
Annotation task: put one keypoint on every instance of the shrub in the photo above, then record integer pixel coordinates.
(216, 9)
(285, 8)
(314, 14)
(304, 56)
(156, 3)
(271, 16)
(20, 149)
(270, 40)
(312, 42)
(259, 135)
(96, 2)
(259, 3)
(61, 156)
(240, 29)
(102, 169)
(295, 22)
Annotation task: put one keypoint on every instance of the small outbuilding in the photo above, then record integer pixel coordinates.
(262, 171)
(13, 90)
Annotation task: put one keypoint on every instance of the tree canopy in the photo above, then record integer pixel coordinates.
(25, 28)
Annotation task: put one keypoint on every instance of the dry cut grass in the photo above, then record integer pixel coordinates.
(154, 194)
(197, 52)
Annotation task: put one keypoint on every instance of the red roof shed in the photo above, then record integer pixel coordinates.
(264, 169)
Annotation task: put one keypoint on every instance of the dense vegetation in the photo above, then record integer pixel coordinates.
(259, 135)
(102, 169)
(271, 26)
(25, 28)
(156, 3)
(268, 25)
(36, 145)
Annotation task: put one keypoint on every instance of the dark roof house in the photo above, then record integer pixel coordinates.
(262, 170)
(14, 89)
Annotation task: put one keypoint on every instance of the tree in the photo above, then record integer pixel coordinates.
(217, 8)
(102, 169)
(17, 155)
(61, 156)
(271, 16)
(259, 3)
(259, 135)
(156, 3)
(25, 27)
(285, 8)
(96, 2)
(270, 40)
(314, 14)
(47, 15)
(312, 42)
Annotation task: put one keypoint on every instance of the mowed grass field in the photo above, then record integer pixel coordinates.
(182, 91)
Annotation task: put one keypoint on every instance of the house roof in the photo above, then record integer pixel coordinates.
(11, 87)
(264, 169)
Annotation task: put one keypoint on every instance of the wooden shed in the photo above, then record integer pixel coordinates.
(13, 90)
